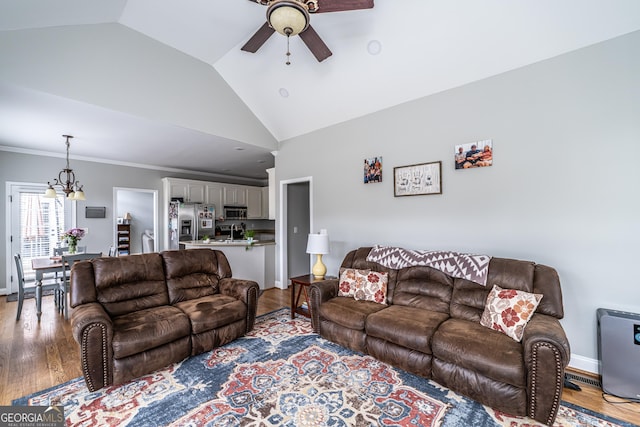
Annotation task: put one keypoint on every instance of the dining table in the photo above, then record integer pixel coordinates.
(41, 266)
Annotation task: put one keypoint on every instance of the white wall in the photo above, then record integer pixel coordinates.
(564, 189)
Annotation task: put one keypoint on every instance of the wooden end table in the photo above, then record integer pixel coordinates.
(303, 282)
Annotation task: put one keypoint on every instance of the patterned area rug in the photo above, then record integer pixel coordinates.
(282, 374)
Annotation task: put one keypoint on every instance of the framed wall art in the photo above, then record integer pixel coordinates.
(474, 154)
(373, 170)
(417, 180)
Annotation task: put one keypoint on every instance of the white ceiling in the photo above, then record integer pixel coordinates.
(427, 46)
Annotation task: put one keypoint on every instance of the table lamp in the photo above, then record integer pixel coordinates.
(318, 244)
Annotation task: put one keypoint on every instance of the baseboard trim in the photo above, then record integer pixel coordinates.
(584, 364)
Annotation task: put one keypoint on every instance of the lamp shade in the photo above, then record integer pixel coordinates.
(50, 193)
(318, 244)
(79, 195)
(289, 18)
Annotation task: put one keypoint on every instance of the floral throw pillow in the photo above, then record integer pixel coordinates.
(509, 311)
(373, 286)
(348, 282)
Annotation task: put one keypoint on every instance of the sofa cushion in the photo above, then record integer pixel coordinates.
(130, 283)
(508, 311)
(348, 283)
(487, 352)
(146, 329)
(405, 326)
(423, 287)
(364, 285)
(468, 299)
(212, 312)
(191, 274)
(348, 312)
(372, 287)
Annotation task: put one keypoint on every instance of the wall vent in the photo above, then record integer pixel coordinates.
(583, 379)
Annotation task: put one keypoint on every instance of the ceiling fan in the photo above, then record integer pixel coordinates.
(291, 17)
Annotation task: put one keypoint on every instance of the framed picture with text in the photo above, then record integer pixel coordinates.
(417, 180)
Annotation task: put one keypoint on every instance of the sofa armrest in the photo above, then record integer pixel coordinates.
(93, 330)
(321, 292)
(546, 355)
(246, 291)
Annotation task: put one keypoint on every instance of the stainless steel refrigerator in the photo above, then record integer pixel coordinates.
(190, 221)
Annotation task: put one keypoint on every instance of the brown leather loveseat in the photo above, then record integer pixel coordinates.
(431, 326)
(139, 313)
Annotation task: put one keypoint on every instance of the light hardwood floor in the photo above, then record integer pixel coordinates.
(37, 356)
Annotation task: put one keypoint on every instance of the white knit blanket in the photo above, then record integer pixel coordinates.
(465, 266)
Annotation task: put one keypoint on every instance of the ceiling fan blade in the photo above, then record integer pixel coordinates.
(315, 44)
(258, 39)
(343, 5)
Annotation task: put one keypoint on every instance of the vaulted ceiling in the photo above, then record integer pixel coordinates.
(398, 51)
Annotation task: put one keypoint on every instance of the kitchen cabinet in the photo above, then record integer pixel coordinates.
(213, 196)
(196, 193)
(254, 203)
(189, 191)
(234, 195)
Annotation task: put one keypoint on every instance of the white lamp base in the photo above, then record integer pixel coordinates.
(319, 269)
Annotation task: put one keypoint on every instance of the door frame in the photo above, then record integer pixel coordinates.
(283, 283)
(155, 213)
(10, 268)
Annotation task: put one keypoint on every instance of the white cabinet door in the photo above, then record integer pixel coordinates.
(196, 193)
(235, 195)
(213, 196)
(179, 189)
(254, 203)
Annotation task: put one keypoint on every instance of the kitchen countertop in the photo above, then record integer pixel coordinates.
(217, 243)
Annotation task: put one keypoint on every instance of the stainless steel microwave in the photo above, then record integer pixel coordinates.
(235, 212)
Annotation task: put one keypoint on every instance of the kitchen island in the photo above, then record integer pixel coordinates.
(252, 262)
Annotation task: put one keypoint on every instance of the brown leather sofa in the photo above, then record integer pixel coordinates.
(139, 313)
(431, 327)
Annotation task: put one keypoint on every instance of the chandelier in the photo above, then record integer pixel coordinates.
(66, 180)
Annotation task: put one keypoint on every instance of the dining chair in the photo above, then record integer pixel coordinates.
(20, 271)
(59, 252)
(67, 264)
(21, 282)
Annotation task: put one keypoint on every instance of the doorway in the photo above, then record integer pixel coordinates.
(35, 225)
(296, 221)
(142, 207)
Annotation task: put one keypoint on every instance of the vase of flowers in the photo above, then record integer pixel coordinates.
(73, 236)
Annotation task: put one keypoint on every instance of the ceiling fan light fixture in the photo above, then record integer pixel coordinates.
(288, 17)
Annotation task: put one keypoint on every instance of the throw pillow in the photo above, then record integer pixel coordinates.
(348, 282)
(509, 311)
(372, 286)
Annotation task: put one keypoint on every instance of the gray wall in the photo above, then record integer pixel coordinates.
(99, 181)
(564, 189)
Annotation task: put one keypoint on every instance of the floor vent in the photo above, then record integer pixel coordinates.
(583, 379)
